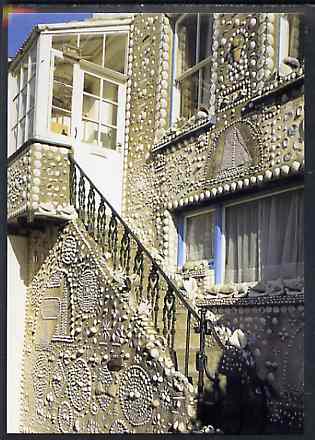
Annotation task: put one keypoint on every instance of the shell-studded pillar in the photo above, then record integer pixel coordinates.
(245, 55)
(147, 113)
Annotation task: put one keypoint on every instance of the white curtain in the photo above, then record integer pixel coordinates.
(199, 237)
(264, 238)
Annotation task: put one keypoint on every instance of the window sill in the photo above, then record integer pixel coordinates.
(191, 127)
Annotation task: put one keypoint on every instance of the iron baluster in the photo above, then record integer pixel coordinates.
(201, 353)
(188, 323)
(73, 184)
(91, 211)
(81, 210)
(112, 238)
(153, 291)
(168, 312)
(138, 270)
(101, 225)
(125, 252)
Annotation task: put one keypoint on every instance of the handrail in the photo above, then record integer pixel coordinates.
(141, 246)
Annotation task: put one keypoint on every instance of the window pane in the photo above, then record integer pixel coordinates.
(205, 32)
(205, 86)
(33, 60)
(15, 111)
(187, 37)
(115, 52)
(15, 137)
(91, 108)
(109, 113)
(63, 42)
(110, 91)
(63, 71)
(92, 85)
(30, 118)
(23, 103)
(60, 122)
(108, 137)
(264, 238)
(62, 96)
(91, 48)
(199, 237)
(32, 93)
(24, 71)
(90, 132)
(241, 238)
(189, 95)
(21, 133)
(281, 220)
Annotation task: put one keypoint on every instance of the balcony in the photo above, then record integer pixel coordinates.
(38, 184)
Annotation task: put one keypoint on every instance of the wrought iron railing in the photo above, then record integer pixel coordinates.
(146, 279)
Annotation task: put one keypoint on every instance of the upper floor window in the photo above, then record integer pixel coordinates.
(88, 89)
(22, 110)
(291, 43)
(258, 239)
(194, 42)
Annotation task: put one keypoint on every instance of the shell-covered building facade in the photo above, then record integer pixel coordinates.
(155, 210)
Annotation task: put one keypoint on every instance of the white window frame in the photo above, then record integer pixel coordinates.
(79, 67)
(176, 94)
(19, 118)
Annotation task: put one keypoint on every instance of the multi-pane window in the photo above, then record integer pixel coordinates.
(24, 99)
(194, 41)
(88, 70)
(291, 44)
(106, 50)
(61, 108)
(99, 115)
(263, 238)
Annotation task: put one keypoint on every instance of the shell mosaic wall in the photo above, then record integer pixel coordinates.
(275, 332)
(250, 142)
(92, 362)
(38, 183)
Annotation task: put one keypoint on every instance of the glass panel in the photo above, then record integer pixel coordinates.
(15, 136)
(205, 86)
(264, 238)
(115, 52)
(62, 96)
(60, 122)
(23, 103)
(15, 111)
(90, 132)
(199, 237)
(110, 91)
(189, 95)
(18, 85)
(205, 32)
(30, 118)
(187, 36)
(109, 113)
(108, 137)
(91, 108)
(33, 60)
(31, 93)
(92, 85)
(91, 48)
(24, 71)
(63, 71)
(21, 133)
(63, 42)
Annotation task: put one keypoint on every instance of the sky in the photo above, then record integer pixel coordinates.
(21, 24)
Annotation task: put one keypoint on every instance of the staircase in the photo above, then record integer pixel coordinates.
(182, 326)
